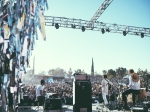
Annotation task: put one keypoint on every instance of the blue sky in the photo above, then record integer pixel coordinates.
(72, 48)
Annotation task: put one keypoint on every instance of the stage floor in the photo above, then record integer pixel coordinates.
(67, 108)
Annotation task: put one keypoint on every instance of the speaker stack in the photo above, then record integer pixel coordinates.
(82, 93)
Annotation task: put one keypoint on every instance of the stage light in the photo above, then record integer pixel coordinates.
(142, 35)
(124, 33)
(103, 31)
(83, 28)
(136, 33)
(73, 26)
(107, 30)
(56, 25)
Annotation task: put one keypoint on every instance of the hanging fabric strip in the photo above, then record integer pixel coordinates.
(32, 8)
(46, 4)
(5, 46)
(42, 21)
(6, 31)
(10, 64)
(16, 74)
(6, 83)
(1, 40)
(10, 20)
(21, 21)
(18, 9)
(5, 15)
(24, 51)
(18, 46)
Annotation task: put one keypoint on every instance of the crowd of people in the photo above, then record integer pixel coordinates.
(62, 89)
(100, 86)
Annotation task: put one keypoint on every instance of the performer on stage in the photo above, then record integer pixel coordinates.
(134, 87)
(105, 82)
(39, 92)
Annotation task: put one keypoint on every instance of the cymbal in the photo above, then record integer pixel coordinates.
(147, 74)
(142, 88)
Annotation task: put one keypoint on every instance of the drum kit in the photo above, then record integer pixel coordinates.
(141, 96)
(115, 95)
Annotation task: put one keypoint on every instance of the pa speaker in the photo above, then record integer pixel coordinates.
(82, 96)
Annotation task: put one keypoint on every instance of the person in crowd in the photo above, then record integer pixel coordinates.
(31, 96)
(39, 92)
(134, 88)
(71, 95)
(67, 94)
(99, 86)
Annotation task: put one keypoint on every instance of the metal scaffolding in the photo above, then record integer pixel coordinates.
(98, 13)
(97, 26)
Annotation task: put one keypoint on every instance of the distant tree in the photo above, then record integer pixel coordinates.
(97, 74)
(104, 72)
(142, 73)
(50, 72)
(120, 71)
(28, 75)
(83, 71)
(42, 73)
(57, 71)
(78, 71)
(70, 73)
(111, 73)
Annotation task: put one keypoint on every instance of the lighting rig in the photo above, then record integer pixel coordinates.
(95, 25)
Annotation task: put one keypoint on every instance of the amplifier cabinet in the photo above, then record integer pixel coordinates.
(68, 101)
(53, 104)
(82, 96)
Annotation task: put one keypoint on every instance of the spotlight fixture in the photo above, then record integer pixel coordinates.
(142, 35)
(124, 33)
(92, 28)
(103, 31)
(73, 26)
(136, 33)
(107, 30)
(56, 25)
(83, 28)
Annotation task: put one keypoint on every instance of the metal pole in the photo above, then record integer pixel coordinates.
(33, 64)
(33, 68)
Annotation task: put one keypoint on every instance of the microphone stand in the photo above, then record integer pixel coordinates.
(148, 76)
(119, 107)
(108, 87)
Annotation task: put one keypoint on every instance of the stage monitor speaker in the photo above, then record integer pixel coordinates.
(82, 96)
(68, 101)
(26, 99)
(53, 104)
